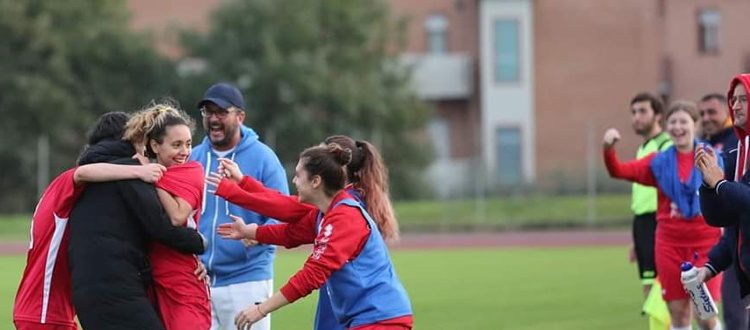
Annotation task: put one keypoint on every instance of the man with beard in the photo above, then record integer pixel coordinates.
(719, 132)
(239, 275)
(646, 112)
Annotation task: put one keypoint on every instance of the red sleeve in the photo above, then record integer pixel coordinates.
(67, 193)
(249, 184)
(288, 235)
(638, 170)
(343, 234)
(184, 181)
(270, 203)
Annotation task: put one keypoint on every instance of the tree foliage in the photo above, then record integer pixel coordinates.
(63, 63)
(313, 68)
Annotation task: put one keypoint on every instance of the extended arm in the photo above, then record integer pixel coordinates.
(270, 204)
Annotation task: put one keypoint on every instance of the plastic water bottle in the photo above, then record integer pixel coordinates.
(698, 292)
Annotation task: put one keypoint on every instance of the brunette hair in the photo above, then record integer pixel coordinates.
(369, 176)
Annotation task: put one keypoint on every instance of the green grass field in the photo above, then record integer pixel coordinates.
(498, 213)
(561, 288)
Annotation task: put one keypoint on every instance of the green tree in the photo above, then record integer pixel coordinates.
(63, 63)
(313, 68)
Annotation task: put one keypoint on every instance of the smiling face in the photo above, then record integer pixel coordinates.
(175, 147)
(307, 188)
(681, 129)
(713, 115)
(222, 125)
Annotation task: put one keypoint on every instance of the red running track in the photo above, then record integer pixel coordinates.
(469, 240)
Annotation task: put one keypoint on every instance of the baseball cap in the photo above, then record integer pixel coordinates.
(224, 95)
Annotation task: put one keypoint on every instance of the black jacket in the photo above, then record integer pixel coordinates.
(728, 206)
(724, 141)
(111, 227)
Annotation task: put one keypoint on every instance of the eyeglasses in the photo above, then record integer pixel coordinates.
(221, 113)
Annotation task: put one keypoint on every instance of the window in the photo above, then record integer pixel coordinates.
(507, 58)
(508, 144)
(437, 34)
(440, 135)
(709, 21)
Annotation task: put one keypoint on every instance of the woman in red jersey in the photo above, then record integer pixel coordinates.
(681, 233)
(166, 133)
(367, 183)
(347, 245)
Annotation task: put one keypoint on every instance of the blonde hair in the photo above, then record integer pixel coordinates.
(151, 124)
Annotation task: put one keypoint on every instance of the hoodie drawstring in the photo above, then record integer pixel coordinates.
(208, 170)
(226, 203)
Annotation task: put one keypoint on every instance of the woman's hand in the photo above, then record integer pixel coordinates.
(247, 317)
(150, 172)
(230, 170)
(141, 158)
(237, 230)
(201, 272)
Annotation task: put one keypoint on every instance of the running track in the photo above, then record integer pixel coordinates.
(469, 240)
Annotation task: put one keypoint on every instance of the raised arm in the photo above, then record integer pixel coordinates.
(100, 172)
(638, 170)
(144, 203)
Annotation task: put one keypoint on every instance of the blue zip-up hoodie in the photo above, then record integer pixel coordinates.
(229, 261)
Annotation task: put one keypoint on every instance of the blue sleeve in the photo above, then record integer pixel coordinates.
(722, 254)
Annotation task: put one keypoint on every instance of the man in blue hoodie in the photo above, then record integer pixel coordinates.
(239, 275)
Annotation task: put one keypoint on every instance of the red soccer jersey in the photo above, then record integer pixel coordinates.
(672, 229)
(44, 295)
(182, 298)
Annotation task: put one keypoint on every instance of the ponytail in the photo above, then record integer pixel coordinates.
(372, 180)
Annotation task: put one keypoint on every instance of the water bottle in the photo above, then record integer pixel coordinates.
(699, 294)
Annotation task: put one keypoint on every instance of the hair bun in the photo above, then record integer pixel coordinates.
(343, 155)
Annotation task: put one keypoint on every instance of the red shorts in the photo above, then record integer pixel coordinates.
(668, 261)
(184, 311)
(398, 323)
(26, 325)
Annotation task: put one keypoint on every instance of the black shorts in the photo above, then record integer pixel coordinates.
(644, 235)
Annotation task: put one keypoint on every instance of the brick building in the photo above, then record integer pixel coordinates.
(523, 89)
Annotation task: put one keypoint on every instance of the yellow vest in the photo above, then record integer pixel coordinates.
(644, 197)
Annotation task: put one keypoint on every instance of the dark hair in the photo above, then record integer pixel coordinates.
(715, 96)
(369, 176)
(152, 123)
(327, 162)
(681, 105)
(656, 105)
(110, 125)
